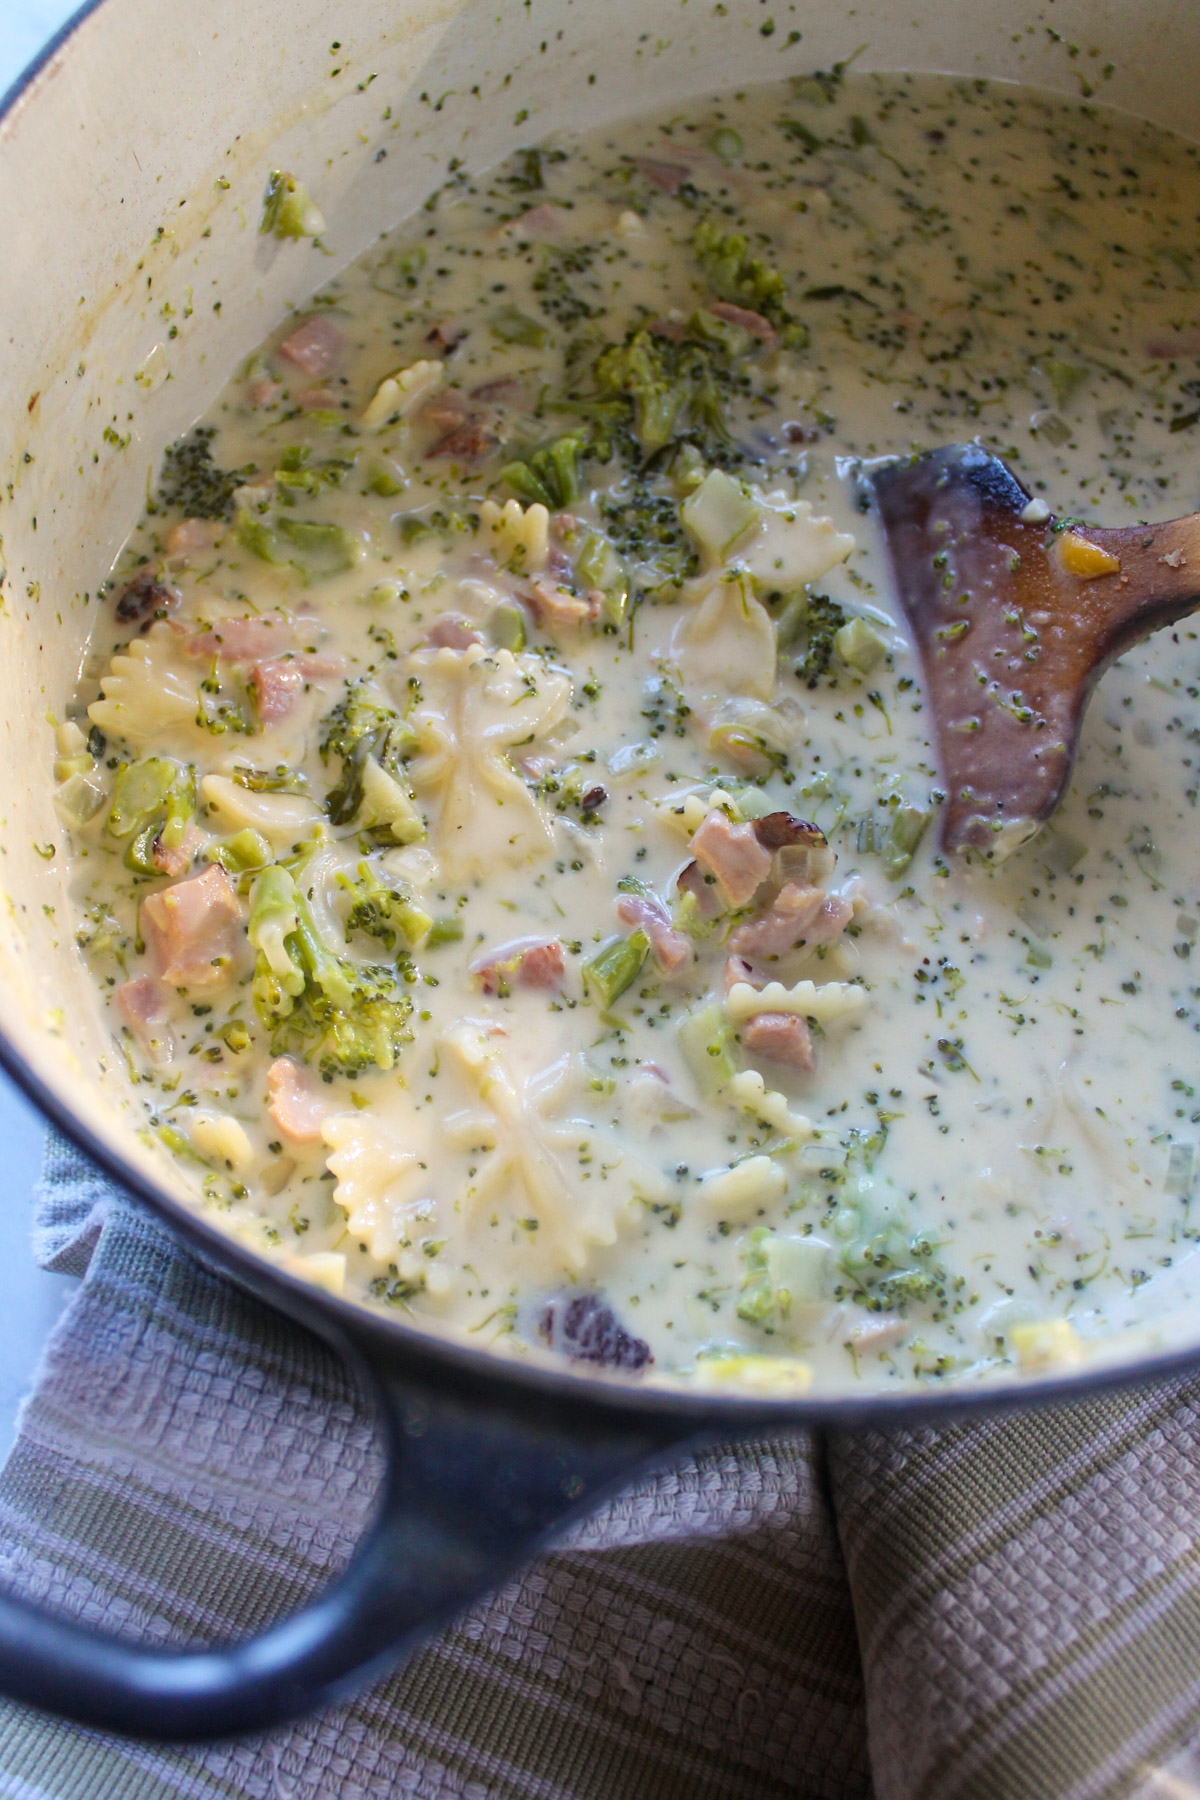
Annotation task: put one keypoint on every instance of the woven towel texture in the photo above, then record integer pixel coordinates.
(1007, 1610)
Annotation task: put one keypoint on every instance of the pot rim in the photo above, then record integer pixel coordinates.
(448, 1362)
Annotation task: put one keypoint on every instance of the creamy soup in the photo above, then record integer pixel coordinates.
(500, 797)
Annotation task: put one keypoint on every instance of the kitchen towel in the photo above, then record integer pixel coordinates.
(1002, 1610)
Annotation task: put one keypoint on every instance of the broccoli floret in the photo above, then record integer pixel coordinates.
(360, 726)
(191, 481)
(782, 1274)
(665, 389)
(746, 280)
(550, 474)
(288, 209)
(352, 1016)
(387, 913)
(823, 621)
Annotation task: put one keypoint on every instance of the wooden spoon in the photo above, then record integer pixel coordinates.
(1016, 615)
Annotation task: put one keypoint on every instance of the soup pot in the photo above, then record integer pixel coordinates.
(133, 158)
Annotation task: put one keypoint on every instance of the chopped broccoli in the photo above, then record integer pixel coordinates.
(745, 279)
(558, 282)
(781, 1271)
(360, 726)
(824, 618)
(387, 913)
(350, 1015)
(192, 482)
(550, 474)
(288, 208)
(664, 389)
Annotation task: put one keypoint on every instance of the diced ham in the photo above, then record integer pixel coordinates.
(671, 949)
(279, 683)
(781, 1038)
(1171, 346)
(553, 606)
(263, 391)
(734, 855)
(445, 412)
(446, 336)
(315, 347)
(529, 962)
(192, 537)
(691, 880)
(504, 391)
(452, 633)
(191, 929)
(836, 912)
(783, 926)
(466, 444)
(143, 1004)
(316, 399)
(539, 224)
(296, 1106)
(667, 177)
(753, 322)
(738, 969)
(175, 860)
(245, 640)
(146, 598)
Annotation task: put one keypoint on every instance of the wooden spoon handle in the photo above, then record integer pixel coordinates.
(1016, 615)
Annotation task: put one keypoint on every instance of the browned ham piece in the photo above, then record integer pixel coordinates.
(733, 854)
(191, 929)
(315, 347)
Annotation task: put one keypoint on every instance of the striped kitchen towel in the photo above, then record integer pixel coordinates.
(1007, 1610)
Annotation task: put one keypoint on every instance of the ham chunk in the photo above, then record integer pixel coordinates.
(248, 640)
(781, 1038)
(539, 224)
(193, 537)
(667, 177)
(191, 929)
(279, 683)
(452, 633)
(733, 854)
(296, 1106)
(175, 860)
(553, 606)
(530, 963)
(144, 1006)
(836, 912)
(753, 322)
(315, 347)
(671, 949)
(784, 926)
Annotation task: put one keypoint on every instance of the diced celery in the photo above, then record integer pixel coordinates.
(244, 851)
(905, 829)
(444, 931)
(506, 626)
(791, 622)
(139, 852)
(257, 537)
(710, 1048)
(385, 479)
(616, 967)
(319, 550)
(512, 326)
(859, 646)
(719, 513)
(181, 804)
(140, 794)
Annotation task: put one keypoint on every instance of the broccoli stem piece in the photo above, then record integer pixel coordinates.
(710, 1048)
(274, 916)
(616, 967)
(906, 828)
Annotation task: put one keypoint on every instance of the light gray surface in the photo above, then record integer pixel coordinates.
(30, 1300)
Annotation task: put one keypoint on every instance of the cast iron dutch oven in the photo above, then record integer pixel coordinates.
(133, 156)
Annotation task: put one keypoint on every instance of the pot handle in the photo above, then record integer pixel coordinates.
(472, 1487)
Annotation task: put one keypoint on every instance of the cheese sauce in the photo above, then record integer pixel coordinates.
(501, 798)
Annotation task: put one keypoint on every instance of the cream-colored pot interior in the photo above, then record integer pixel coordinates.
(132, 278)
